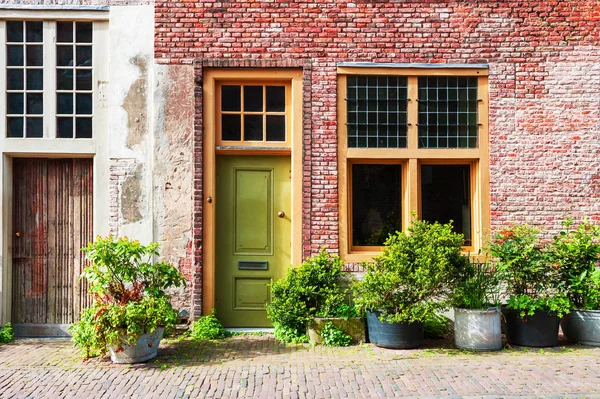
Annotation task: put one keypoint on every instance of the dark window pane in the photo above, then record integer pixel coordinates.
(83, 104)
(35, 127)
(231, 127)
(275, 98)
(35, 79)
(15, 55)
(84, 79)
(64, 79)
(253, 127)
(15, 79)
(83, 128)
(83, 32)
(84, 55)
(64, 128)
(35, 56)
(64, 32)
(376, 203)
(35, 32)
(275, 128)
(14, 31)
(253, 98)
(230, 98)
(35, 103)
(64, 103)
(64, 55)
(15, 103)
(15, 127)
(446, 195)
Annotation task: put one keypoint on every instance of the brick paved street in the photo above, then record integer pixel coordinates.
(260, 367)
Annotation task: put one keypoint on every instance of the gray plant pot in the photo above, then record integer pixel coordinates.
(395, 335)
(353, 326)
(145, 349)
(477, 330)
(582, 326)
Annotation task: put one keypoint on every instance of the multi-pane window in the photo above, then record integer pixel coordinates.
(411, 141)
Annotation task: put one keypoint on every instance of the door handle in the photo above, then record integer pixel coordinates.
(281, 214)
(17, 234)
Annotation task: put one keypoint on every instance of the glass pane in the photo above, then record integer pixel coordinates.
(84, 55)
(64, 79)
(231, 127)
(84, 104)
(64, 128)
(64, 103)
(14, 31)
(34, 32)
(275, 98)
(84, 79)
(35, 103)
(83, 32)
(15, 55)
(253, 99)
(446, 195)
(15, 103)
(376, 203)
(253, 127)
(275, 128)
(35, 127)
(230, 98)
(15, 127)
(15, 79)
(83, 128)
(64, 55)
(64, 32)
(35, 56)
(35, 79)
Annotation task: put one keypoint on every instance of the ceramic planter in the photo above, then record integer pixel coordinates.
(582, 326)
(477, 330)
(539, 330)
(145, 349)
(353, 326)
(395, 335)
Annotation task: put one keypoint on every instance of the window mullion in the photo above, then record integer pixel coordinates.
(50, 79)
(412, 192)
(413, 112)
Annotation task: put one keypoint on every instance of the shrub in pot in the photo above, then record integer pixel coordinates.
(535, 302)
(409, 282)
(574, 253)
(130, 306)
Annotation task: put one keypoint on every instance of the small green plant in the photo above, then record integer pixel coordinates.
(332, 335)
(208, 327)
(6, 334)
(478, 286)
(437, 326)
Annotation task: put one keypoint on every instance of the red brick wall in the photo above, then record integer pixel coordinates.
(544, 59)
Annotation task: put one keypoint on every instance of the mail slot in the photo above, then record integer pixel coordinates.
(252, 265)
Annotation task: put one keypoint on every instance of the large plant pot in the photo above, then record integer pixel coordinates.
(477, 330)
(539, 330)
(145, 349)
(353, 326)
(395, 335)
(582, 326)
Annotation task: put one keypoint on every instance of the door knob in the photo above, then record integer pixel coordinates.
(281, 214)
(18, 234)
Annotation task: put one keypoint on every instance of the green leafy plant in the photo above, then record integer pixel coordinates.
(314, 289)
(6, 334)
(208, 327)
(129, 297)
(574, 253)
(332, 335)
(477, 287)
(437, 326)
(410, 280)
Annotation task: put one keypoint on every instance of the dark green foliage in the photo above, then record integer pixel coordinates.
(332, 335)
(478, 287)
(6, 334)
(208, 327)
(437, 326)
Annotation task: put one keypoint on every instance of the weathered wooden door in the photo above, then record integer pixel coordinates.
(52, 220)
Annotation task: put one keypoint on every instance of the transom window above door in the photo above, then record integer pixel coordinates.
(253, 114)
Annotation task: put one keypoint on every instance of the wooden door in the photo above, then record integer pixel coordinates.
(253, 235)
(52, 221)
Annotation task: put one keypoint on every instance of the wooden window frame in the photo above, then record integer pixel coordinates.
(412, 157)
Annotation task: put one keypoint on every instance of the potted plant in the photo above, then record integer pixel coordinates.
(574, 253)
(130, 308)
(475, 298)
(409, 282)
(535, 303)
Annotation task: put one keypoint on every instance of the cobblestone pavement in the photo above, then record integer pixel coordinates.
(260, 367)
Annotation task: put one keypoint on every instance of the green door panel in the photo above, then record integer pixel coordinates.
(253, 244)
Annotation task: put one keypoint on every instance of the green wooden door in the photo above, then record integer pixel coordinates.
(252, 240)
